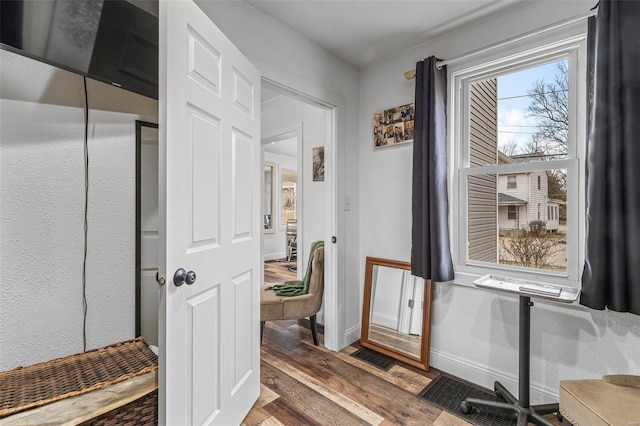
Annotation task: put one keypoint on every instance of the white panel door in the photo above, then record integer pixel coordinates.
(210, 178)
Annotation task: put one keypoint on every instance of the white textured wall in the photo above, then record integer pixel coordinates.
(42, 211)
(475, 332)
(284, 56)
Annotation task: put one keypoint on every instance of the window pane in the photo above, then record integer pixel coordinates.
(483, 219)
(526, 227)
(520, 116)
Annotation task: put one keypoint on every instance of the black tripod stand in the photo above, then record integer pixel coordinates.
(519, 406)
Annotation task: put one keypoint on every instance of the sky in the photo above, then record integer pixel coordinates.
(513, 121)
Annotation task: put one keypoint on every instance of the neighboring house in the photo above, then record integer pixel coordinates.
(523, 197)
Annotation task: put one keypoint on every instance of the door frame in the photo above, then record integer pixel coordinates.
(333, 317)
(138, 248)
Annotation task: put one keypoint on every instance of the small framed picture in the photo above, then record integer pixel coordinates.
(318, 164)
(393, 126)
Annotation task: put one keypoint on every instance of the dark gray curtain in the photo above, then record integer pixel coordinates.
(611, 277)
(430, 253)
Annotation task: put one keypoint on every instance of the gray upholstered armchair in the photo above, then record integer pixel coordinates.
(274, 307)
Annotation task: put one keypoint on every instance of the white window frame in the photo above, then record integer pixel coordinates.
(568, 43)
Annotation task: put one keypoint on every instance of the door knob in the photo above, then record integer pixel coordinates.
(181, 277)
(159, 279)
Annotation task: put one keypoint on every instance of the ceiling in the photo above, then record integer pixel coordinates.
(362, 32)
(287, 147)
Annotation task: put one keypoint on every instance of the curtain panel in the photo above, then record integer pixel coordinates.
(611, 277)
(430, 247)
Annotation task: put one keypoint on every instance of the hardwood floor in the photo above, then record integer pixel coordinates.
(407, 343)
(278, 271)
(304, 384)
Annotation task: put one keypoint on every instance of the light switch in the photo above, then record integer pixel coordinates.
(347, 204)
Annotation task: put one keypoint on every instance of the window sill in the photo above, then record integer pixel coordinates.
(466, 279)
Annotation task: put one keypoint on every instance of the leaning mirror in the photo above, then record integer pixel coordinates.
(396, 314)
(269, 196)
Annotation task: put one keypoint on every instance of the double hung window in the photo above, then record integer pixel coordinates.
(517, 138)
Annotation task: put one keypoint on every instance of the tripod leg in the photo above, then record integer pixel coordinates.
(543, 409)
(503, 393)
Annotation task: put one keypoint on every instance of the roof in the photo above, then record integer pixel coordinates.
(508, 199)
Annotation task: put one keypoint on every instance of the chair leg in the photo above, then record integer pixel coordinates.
(261, 331)
(314, 329)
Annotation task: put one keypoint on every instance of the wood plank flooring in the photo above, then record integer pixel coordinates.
(304, 384)
(278, 272)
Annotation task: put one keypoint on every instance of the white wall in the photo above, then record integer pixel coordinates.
(475, 332)
(289, 113)
(42, 211)
(286, 57)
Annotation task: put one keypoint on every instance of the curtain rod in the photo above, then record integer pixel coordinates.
(412, 73)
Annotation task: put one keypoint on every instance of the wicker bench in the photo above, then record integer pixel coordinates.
(116, 384)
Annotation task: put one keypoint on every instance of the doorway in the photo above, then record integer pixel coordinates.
(296, 132)
(147, 231)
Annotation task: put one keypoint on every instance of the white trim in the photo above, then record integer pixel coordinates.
(385, 320)
(484, 376)
(334, 298)
(522, 37)
(571, 46)
(352, 333)
(335, 117)
(274, 256)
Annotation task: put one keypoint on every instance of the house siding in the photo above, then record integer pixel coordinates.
(483, 224)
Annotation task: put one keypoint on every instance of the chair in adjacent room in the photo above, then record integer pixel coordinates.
(292, 239)
(274, 307)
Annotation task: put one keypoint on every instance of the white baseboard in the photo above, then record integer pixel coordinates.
(484, 376)
(352, 334)
(274, 256)
(385, 320)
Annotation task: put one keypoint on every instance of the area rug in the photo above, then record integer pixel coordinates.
(447, 393)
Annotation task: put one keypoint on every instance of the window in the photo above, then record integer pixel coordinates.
(288, 195)
(520, 119)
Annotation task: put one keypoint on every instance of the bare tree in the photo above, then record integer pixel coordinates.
(532, 248)
(510, 148)
(550, 105)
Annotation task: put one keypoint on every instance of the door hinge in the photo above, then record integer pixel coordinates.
(334, 240)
